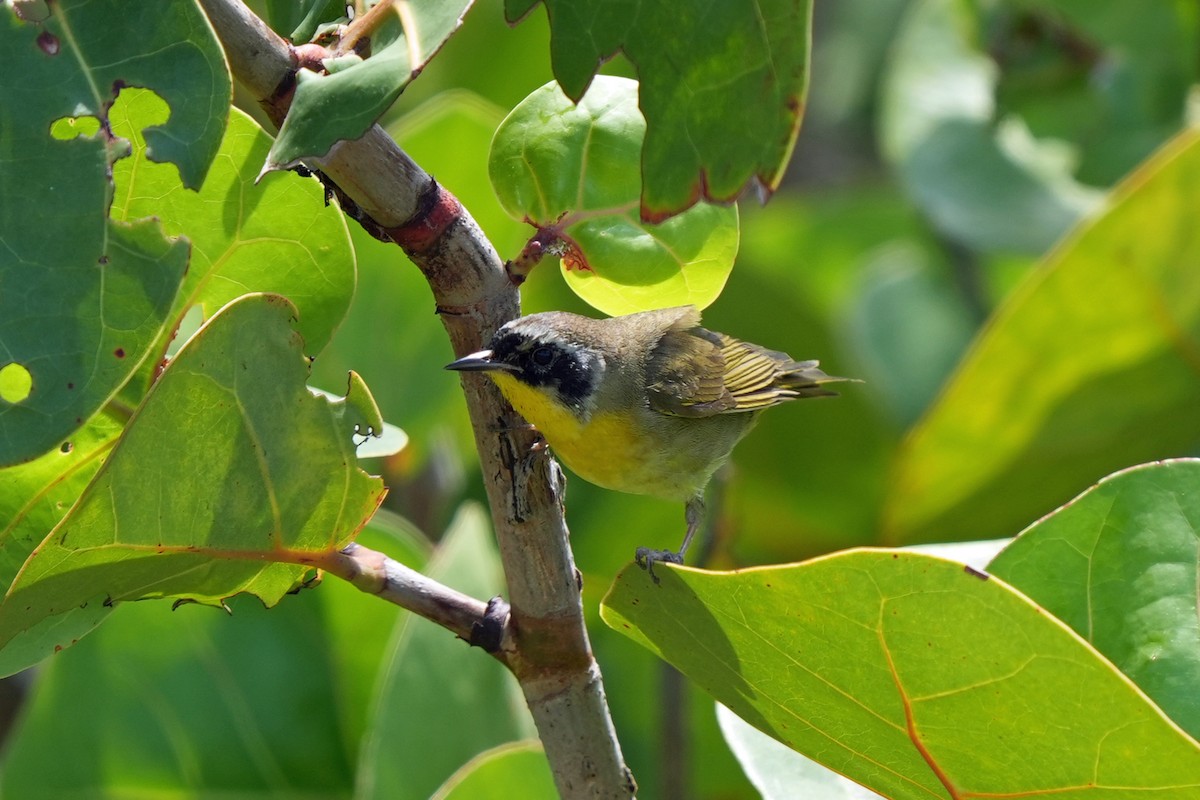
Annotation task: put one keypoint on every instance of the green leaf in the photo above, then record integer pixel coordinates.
(85, 297)
(430, 675)
(779, 772)
(278, 236)
(328, 108)
(571, 170)
(1119, 565)
(257, 704)
(519, 769)
(229, 469)
(989, 186)
(911, 676)
(1092, 364)
(722, 89)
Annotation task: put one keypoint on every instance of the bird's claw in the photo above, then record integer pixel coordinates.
(647, 557)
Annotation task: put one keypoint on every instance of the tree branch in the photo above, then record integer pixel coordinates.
(550, 654)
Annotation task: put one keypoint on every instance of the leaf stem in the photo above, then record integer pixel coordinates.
(363, 26)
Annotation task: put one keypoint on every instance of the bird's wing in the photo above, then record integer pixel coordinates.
(694, 372)
(685, 371)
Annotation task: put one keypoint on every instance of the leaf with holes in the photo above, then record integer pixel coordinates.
(910, 675)
(260, 481)
(277, 236)
(328, 108)
(723, 86)
(572, 172)
(85, 297)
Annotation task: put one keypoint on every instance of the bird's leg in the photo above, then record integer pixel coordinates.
(694, 514)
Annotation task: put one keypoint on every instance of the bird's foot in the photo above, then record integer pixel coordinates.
(647, 557)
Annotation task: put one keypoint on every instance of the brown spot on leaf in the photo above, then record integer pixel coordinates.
(976, 573)
(119, 352)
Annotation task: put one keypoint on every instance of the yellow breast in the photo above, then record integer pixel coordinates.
(611, 449)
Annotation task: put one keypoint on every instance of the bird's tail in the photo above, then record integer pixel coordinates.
(806, 379)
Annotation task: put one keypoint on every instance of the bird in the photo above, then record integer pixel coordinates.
(646, 403)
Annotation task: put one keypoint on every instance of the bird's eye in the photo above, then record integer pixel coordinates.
(542, 356)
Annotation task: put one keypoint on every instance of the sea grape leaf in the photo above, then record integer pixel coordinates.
(1092, 364)
(1119, 565)
(259, 481)
(85, 297)
(723, 87)
(778, 771)
(328, 108)
(910, 674)
(571, 170)
(278, 236)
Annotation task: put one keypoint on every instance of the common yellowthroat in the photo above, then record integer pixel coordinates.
(648, 403)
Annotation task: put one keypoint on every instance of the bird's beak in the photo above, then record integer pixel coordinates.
(479, 362)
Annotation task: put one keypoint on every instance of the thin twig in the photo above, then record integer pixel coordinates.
(375, 573)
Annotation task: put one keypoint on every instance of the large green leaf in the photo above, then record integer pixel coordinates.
(779, 772)
(1093, 364)
(430, 675)
(1119, 565)
(84, 297)
(571, 170)
(232, 477)
(722, 87)
(277, 236)
(342, 104)
(912, 676)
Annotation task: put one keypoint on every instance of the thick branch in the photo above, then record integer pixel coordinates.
(549, 652)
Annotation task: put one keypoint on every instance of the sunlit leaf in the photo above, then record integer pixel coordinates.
(1119, 565)
(232, 477)
(1093, 364)
(277, 236)
(911, 675)
(328, 108)
(572, 172)
(778, 771)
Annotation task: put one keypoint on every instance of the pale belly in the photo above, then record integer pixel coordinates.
(676, 466)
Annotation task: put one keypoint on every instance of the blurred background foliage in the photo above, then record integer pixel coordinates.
(947, 146)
